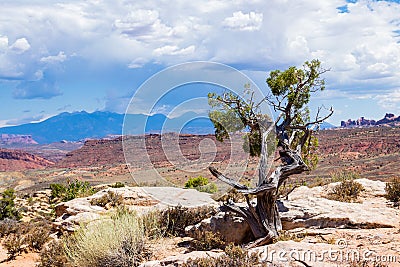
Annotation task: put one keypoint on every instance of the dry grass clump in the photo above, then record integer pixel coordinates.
(393, 191)
(116, 241)
(234, 256)
(346, 191)
(174, 220)
(209, 241)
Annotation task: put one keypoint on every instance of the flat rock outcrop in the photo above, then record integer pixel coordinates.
(307, 207)
(80, 210)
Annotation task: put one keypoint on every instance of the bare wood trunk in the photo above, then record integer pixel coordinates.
(263, 217)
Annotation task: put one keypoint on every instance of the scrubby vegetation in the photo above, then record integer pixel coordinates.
(209, 241)
(201, 184)
(53, 255)
(117, 241)
(393, 190)
(174, 220)
(71, 190)
(117, 185)
(110, 199)
(234, 256)
(7, 206)
(346, 191)
(122, 238)
(21, 237)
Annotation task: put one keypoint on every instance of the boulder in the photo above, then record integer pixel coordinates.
(231, 228)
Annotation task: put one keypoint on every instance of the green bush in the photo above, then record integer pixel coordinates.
(210, 188)
(346, 191)
(72, 190)
(7, 206)
(392, 189)
(196, 182)
(201, 184)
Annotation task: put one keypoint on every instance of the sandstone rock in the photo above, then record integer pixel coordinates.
(306, 207)
(71, 213)
(231, 228)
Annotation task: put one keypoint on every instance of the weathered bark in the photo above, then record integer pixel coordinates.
(263, 217)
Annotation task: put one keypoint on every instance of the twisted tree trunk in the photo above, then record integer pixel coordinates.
(263, 217)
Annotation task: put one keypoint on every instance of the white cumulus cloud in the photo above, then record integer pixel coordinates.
(244, 21)
(20, 46)
(60, 57)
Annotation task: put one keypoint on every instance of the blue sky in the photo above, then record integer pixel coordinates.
(58, 56)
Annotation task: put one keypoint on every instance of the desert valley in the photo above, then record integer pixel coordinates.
(313, 222)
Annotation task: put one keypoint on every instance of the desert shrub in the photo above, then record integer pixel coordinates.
(208, 241)
(175, 219)
(72, 190)
(392, 189)
(340, 176)
(53, 255)
(234, 256)
(286, 236)
(37, 234)
(111, 198)
(57, 190)
(7, 205)
(346, 191)
(8, 226)
(232, 195)
(210, 188)
(117, 185)
(117, 241)
(196, 182)
(15, 244)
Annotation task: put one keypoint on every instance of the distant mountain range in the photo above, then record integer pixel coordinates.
(81, 125)
(389, 120)
(78, 126)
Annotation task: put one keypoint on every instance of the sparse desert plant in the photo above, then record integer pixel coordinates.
(346, 191)
(234, 256)
(117, 185)
(111, 199)
(286, 236)
(208, 241)
(233, 195)
(343, 175)
(392, 189)
(7, 205)
(53, 255)
(117, 241)
(210, 188)
(8, 226)
(15, 244)
(175, 219)
(37, 234)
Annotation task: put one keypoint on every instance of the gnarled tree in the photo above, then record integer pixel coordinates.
(291, 91)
